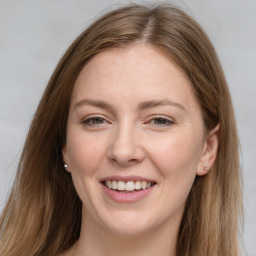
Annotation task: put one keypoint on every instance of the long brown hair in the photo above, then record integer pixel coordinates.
(43, 213)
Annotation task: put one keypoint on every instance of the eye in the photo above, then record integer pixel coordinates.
(94, 121)
(161, 121)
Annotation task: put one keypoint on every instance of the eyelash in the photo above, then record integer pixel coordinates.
(162, 121)
(167, 122)
(90, 121)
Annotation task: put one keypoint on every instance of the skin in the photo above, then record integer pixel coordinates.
(165, 143)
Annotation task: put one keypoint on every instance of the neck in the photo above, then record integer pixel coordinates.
(97, 241)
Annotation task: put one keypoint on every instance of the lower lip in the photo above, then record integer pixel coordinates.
(127, 197)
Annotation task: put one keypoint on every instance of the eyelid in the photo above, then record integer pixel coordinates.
(169, 119)
(94, 116)
(161, 116)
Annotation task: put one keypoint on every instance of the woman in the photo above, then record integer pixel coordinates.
(133, 149)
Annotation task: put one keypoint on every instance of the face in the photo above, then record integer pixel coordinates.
(135, 140)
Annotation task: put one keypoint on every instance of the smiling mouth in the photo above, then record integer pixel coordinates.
(129, 186)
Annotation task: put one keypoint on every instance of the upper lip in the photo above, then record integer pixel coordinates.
(126, 178)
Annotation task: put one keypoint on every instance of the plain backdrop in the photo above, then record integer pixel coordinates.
(34, 35)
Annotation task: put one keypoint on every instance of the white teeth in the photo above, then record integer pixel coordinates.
(121, 185)
(109, 184)
(137, 185)
(127, 186)
(143, 184)
(114, 184)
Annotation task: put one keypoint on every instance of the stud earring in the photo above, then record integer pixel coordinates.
(206, 169)
(65, 166)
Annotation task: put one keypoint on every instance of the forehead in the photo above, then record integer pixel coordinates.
(135, 73)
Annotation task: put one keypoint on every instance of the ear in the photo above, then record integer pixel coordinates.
(210, 151)
(65, 158)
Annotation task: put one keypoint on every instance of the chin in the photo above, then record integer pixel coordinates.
(126, 229)
(128, 223)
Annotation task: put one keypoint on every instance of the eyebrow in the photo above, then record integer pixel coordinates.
(156, 103)
(142, 106)
(95, 103)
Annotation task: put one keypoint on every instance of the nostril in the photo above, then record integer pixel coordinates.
(124, 162)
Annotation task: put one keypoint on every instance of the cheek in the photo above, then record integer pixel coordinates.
(177, 158)
(84, 153)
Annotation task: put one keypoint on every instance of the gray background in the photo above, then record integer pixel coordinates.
(34, 35)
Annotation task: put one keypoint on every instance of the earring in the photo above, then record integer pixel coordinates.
(206, 169)
(65, 166)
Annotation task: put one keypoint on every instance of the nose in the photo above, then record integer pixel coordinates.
(125, 148)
